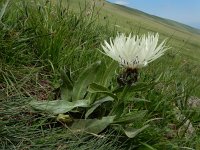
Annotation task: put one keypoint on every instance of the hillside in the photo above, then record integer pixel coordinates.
(162, 21)
(59, 91)
(182, 37)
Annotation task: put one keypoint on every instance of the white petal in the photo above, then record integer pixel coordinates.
(134, 51)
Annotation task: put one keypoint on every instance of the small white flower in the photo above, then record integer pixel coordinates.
(134, 51)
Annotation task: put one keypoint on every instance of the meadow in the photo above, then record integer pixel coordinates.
(58, 91)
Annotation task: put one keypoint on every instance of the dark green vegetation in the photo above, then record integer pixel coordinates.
(50, 52)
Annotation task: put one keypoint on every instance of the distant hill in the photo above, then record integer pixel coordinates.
(162, 20)
(183, 37)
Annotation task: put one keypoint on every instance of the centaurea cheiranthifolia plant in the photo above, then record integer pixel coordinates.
(133, 52)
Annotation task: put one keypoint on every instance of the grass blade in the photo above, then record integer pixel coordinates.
(3, 9)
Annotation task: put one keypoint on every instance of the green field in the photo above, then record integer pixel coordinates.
(132, 20)
(58, 91)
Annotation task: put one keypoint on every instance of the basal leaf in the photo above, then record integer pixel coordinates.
(117, 109)
(67, 86)
(131, 117)
(96, 88)
(131, 132)
(83, 81)
(97, 104)
(109, 73)
(91, 125)
(58, 106)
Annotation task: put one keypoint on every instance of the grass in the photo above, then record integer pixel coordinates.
(127, 19)
(38, 39)
(25, 129)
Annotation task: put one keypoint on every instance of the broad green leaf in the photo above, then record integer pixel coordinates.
(109, 73)
(91, 125)
(67, 86)
(83, 81)
(96, 88)
(66, 77)
(100, 72)
(131, 117)
(97, 104)
(93, 88)
(58, 106)
(118, 109)
(131, 132)
(125, 92)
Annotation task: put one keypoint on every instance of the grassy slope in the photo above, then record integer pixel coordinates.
(24, 129)
(183, 37)
(166, 27)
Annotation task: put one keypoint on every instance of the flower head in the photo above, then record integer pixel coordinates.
(134, 51)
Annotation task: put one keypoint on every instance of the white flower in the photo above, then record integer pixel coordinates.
(134, 51)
